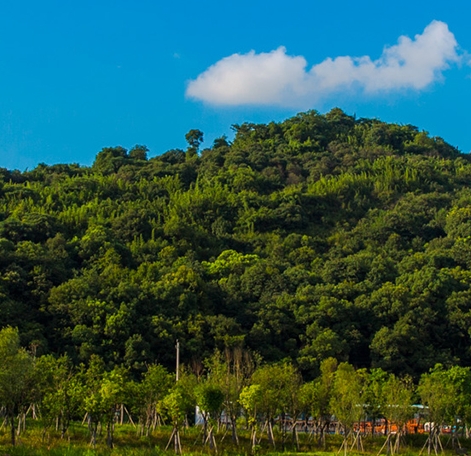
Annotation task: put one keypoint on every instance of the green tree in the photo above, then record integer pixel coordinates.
(104, 393)
(397, 408)
(250, 398)
(147, 396)
(110, 159)
(194, 139)
(138, 152)
(315, 398)
(60, 391)
(210, 399)
(347, 399)
(16, 371)
(179, 401)
(438, 394)
(232, 371)
(374, 394)
(279, 384)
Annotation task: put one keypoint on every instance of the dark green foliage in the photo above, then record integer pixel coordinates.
(320, 236)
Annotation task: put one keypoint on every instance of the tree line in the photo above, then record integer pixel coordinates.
(320, 236)
(233, 384)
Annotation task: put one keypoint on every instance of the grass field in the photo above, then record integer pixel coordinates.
(36, 441)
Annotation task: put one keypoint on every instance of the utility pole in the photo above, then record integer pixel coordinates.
(178, 360)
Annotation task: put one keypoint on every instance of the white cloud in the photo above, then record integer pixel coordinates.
(275, 78)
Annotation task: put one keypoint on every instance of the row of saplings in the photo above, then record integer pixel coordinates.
(232, 384)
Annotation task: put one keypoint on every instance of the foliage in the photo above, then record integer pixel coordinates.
(320, 236)
(15, 376)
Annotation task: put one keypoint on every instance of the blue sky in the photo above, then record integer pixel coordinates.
(80, 76)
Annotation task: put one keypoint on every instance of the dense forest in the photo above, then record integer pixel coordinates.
(320, 236)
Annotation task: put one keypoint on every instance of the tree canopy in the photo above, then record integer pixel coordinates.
(320, 236)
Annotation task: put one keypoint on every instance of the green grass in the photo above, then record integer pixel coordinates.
(36, 441)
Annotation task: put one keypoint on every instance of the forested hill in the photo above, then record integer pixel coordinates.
(320, 236)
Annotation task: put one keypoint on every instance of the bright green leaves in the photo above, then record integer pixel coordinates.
(346, 400)
(16, 375)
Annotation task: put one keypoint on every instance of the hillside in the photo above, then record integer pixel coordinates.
(323, 235)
